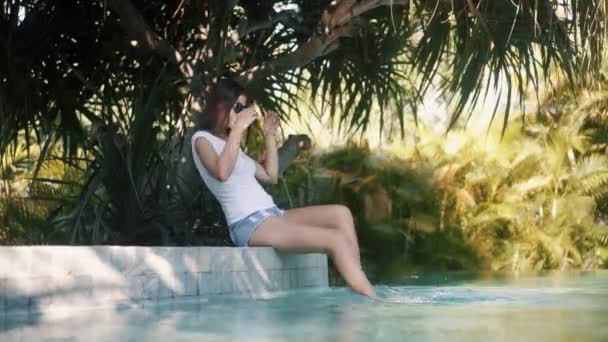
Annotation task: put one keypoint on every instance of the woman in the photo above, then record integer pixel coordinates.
(252, 216)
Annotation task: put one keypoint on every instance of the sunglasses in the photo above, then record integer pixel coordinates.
(238, 107)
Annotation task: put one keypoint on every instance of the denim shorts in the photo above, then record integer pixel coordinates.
(241, 231)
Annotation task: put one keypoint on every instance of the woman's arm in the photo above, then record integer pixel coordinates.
(269, 173)
(222, 165)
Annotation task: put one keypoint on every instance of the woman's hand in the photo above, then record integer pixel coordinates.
(243, 119)
(271, 123)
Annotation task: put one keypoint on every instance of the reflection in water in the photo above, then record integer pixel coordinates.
(556, 308)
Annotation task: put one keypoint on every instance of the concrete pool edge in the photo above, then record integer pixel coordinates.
(47, 278)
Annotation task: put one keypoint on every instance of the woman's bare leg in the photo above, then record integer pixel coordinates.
(284, 235)
(330, 216)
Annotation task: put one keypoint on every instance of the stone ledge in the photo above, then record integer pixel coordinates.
(44, 278)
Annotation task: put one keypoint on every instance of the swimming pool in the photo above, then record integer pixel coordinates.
(435, 308)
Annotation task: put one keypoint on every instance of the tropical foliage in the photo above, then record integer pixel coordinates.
(528, 200)
(125, 184)
(352, 54)
(25, 206)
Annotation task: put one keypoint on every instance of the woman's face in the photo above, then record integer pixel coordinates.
(229, 115)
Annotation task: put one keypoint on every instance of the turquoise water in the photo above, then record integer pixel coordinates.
(427, 308)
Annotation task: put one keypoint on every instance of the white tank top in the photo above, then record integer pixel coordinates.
(241, 194)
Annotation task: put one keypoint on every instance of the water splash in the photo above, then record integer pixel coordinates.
(392, 295)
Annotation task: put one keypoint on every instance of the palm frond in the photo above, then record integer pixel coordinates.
(504, 45)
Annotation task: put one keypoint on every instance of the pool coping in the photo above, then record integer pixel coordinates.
(60, 278)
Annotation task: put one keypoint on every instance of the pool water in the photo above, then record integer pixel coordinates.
(434, 308)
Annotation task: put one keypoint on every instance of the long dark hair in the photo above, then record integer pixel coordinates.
(223, 95)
